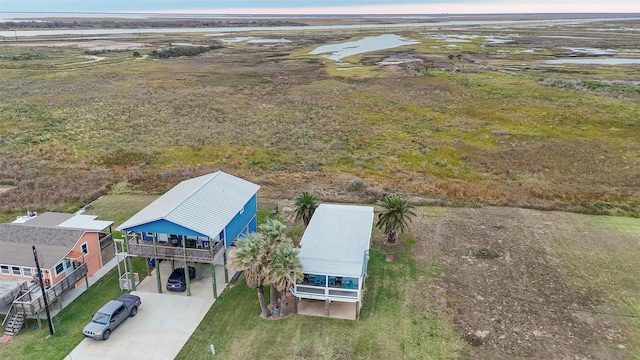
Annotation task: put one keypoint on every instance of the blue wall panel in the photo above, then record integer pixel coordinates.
(243, 222)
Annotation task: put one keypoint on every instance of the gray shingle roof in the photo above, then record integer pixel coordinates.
(205, 204)
(52, 244)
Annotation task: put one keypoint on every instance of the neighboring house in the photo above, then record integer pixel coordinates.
(62, 241)
(334, 254)
(194, 221)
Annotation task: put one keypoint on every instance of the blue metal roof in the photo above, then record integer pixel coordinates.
(205, 204)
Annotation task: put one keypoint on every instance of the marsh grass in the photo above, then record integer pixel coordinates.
(277, 112)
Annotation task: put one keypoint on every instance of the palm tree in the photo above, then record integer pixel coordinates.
(249, 257)
(305, 206)
(284, 270)
(395, 216)
(273, 232)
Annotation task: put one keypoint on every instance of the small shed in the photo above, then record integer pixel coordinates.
(334, 255)
(194, 221)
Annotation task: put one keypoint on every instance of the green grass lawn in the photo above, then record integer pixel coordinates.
(394, 324)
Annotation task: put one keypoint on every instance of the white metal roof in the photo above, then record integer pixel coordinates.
(86, 222)
(336, 240)
(205, 204)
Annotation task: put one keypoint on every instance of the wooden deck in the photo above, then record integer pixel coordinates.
(169, 252)
(32, 302)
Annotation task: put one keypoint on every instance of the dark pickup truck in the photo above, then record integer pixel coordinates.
(111, 315)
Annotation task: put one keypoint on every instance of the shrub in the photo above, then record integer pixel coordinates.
(356, 185)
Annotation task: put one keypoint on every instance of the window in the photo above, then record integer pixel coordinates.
(4, 269)
(15, 270)
(84, 248)
(27, 271)
(59, 269)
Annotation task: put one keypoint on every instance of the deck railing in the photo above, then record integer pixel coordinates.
(32, 301)
(325, 292)
(175, 252)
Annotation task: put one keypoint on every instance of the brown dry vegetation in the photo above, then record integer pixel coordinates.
(478, 129)
(520, 283)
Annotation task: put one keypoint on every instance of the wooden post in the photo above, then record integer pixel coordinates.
(326, 307)
(86, 276)
(357, 310)
(187, 278)
(155, 254)
(213, 280)
(226, 271)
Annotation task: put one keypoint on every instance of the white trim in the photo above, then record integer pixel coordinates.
(55, 268)
(29, 269)
(13, 271)
(86, 246)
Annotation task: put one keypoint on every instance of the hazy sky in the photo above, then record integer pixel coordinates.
(322, 6)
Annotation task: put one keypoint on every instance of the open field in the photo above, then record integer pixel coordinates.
(475, 116)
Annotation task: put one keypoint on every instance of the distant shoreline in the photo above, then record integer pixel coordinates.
(26, 16)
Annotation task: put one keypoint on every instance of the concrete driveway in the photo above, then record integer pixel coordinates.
(164, 321)
(163, 325)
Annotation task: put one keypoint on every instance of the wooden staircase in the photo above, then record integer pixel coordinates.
(14, 323)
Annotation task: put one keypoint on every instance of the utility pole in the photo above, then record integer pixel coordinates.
(44, 293)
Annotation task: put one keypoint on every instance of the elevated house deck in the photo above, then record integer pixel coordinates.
(167, 251)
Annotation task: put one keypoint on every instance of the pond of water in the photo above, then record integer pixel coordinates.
(593, 51)
(269, 41)
(340, 51)
(595, 61)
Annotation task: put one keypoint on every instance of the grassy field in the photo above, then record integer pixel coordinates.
(495, 125)
(391, 326)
